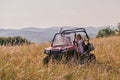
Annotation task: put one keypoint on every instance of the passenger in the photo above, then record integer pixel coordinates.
(80, 43)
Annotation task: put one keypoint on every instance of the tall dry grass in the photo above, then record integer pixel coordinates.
(25, 63)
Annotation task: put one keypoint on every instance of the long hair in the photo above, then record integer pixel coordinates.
(78, 35)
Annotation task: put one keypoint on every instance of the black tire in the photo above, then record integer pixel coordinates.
(92, 58)
(46, 60)
(87, 58)
(84, 58)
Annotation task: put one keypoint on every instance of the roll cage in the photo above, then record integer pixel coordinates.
(72, 31)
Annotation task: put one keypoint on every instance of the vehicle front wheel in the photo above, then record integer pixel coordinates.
(46, 60)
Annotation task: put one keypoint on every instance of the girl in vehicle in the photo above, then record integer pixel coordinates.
(68, 41)
(80, 44)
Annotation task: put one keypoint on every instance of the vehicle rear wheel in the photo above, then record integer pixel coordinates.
(92, 58)
(84, 58)
(87, 58)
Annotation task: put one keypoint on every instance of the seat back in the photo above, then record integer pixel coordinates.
(88, 47)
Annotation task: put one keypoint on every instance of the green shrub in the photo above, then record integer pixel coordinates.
(105, 32)
(4, 41)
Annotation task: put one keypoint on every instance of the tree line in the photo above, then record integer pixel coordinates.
(108, 32)
(10, 41)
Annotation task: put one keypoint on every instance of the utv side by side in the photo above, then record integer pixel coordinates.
(60, 50)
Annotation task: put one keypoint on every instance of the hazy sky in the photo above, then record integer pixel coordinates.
(46, 13)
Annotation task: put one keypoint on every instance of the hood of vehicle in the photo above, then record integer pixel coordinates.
(59, 48)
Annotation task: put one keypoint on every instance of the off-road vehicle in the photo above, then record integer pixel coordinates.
(61, 51)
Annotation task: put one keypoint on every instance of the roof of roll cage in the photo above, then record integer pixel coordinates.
(76, 30)
(71, 31)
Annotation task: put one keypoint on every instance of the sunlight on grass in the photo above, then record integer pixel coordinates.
(25, 63)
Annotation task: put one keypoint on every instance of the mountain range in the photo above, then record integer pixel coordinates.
(40, 35)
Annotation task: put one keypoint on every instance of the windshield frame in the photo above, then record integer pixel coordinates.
(75, 31)
(59, 34)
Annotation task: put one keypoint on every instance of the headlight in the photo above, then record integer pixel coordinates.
(47, 51)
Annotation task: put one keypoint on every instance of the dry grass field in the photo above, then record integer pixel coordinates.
(25, 63)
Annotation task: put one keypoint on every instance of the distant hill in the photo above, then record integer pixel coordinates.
(40, 35)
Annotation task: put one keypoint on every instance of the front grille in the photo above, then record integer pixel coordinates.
(56, 52)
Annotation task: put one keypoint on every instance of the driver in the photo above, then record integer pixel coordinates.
(68, 41)
(80, 42)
